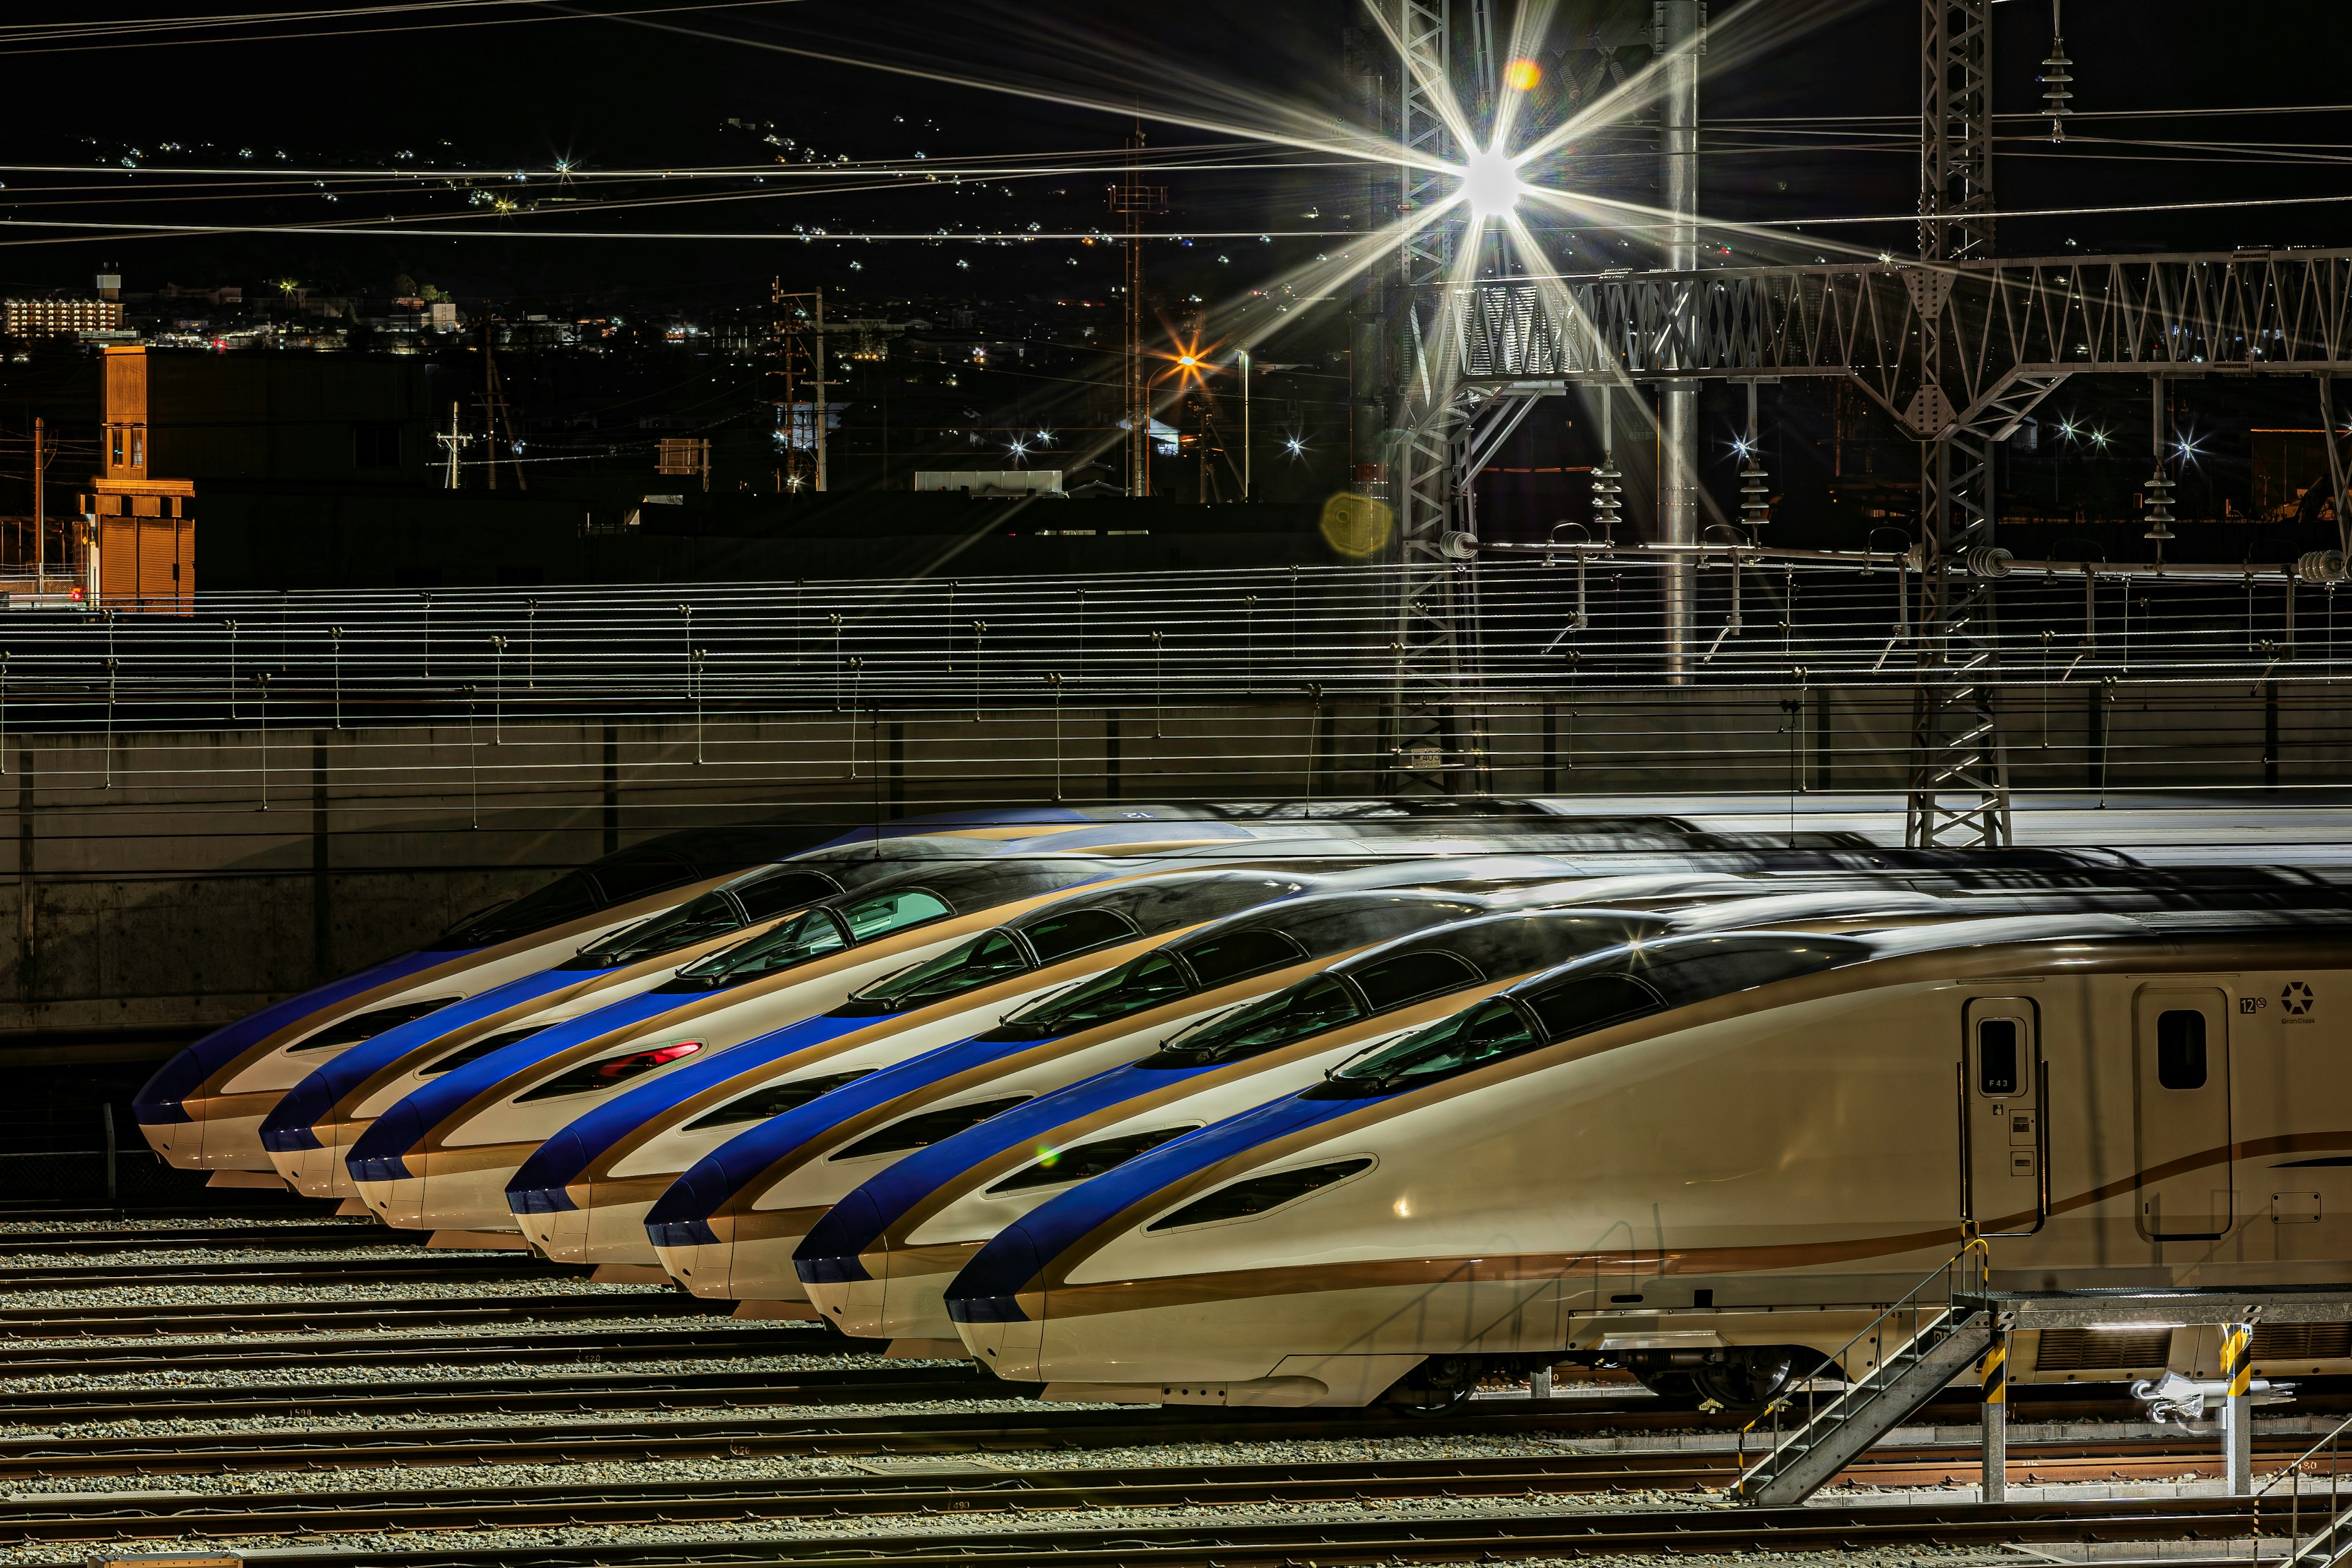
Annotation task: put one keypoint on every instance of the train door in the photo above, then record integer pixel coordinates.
(2004, 1146)
(2180, 1112)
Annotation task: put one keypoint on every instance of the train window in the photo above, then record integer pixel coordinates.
(608, 1072)
(1409, 976)
(1230, 957)
(1259, 1194)
(478, 1049)
(870, 918)
(1996, 1056)
(362, 1028)
(780, 892)
(796, 941)
(922, 1131)
(715, 913)
(989, 956)
(1060, 1167)
(1307, 1008)
(772, 1100)
(1488, 1032)
(2180, 1048)
(1592, 1002)
(1059, 937)
(1133, 986)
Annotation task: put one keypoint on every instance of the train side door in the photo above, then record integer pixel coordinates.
(2004, 1144)
(2180, 1112)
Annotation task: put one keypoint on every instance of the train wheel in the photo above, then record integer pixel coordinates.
(1436, 1385)
(1748, 1378)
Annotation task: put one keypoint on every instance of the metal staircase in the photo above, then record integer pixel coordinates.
(1913, 1350)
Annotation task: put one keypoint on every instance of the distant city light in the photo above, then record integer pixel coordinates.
(1294, 447)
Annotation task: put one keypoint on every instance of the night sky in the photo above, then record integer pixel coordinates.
(522, 86)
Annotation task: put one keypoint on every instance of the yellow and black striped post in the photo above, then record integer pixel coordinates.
(2237, 1413)
(1995, 1415)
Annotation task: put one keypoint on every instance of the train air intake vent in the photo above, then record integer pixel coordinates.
(2102, 1350)
(2302, 1341)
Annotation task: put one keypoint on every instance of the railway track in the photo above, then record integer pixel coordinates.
(278, 1317)
(259, 1237)
(307, 1271)
(669, 1504)
(677, 1390)
(525, 1349)
(1029, 1429)
(1482, 1538)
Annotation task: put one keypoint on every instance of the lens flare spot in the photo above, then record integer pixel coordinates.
(1492, 183)
(1523, 75)
(1048, 1157)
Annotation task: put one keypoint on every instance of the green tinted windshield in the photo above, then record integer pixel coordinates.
(713, 914)
(1485, 1033)
(989, 956)
(1133, 986)
(796, 941)
(1307, 1008)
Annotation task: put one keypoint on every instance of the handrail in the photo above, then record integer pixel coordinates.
(1910, 1301)
(2301, 1551)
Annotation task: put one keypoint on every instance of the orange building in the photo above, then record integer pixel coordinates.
(140, 536)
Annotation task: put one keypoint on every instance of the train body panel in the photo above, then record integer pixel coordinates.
(2112, 1104)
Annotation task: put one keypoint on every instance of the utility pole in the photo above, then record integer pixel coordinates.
(496, 416)
(453, 444)
(1959, 778)
(1679, 39)
(800, 340)
(1133, 201)
(41, 510)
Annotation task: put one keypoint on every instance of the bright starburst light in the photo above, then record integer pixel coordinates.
(1491, 182)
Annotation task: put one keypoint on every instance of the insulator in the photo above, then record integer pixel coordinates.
(1755, 497)
(1989, 560)
(1457, 546)
(2055, 80)
(1607, 498)
(2159, 505)
(2321, 566)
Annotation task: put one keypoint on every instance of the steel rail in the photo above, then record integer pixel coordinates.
(1476, 1538)
(470, 1266)
(355, 1233)
(28, 1323)
(521, 1347)
(672, 1503)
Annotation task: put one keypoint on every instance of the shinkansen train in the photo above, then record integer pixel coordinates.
(582, 1196)
(449, 1149)
(878, 1262)
(489, 1118)
(203, 1109)
(620, 978)
(1706, 1157)
(601, 989)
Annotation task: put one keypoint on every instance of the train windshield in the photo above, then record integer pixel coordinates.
(1307, 1008)
(1592, 995)
(815, 934)
(1133, 986)
(966, 966)
(765, 894)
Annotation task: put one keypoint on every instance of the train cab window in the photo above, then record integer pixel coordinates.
(478, 1049)
(362, 1028)
(1592, 1002)
(1140, 983)
(1238, 953)
(714, 915)
(780, 891)
(885, 912)
(922, 1131)
(1997, 1055)
(1409, 976)
(772, 1100)
(2180, 1048)
(796, 941)
(1487, 1033)
(1259, 1194)
(1307, 1008)
(986, 958)
(609, 1072)
(1060, 1167)
(1057, 937)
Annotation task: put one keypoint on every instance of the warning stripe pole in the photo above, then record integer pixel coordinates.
(2237, 1422)
(1995, 1415)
